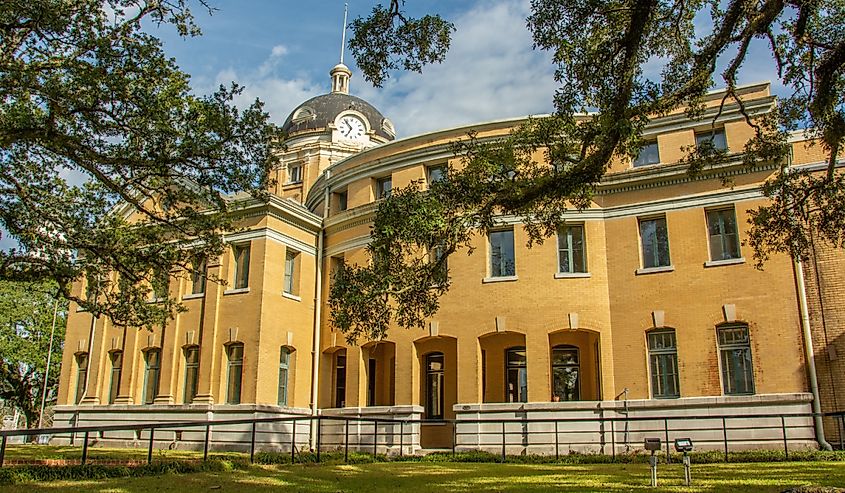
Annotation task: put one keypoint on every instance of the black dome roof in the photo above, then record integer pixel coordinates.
(319, 111)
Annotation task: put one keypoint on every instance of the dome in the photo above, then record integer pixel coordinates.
(318, 112)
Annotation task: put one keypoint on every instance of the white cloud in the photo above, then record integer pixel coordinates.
(491, 72)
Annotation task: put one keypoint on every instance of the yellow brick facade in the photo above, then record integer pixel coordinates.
(604, 314)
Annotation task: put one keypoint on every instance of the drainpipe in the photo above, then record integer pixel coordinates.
(318, 304)
(809, 355)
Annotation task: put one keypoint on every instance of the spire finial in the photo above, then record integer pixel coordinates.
(343, 36)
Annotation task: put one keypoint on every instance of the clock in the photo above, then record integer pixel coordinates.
(351, 127)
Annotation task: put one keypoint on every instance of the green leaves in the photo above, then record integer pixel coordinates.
(110, 164)
(389, 40)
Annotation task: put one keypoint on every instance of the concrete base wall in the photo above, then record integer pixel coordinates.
(277, 436)
(698, 418)
(391, 437)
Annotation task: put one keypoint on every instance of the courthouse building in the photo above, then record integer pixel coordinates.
(647, 303)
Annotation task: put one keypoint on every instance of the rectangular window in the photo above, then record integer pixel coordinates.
(502, 261)
(294, 174)
(735, 355)
(517, 375)
(371, 382)
(284, 369)
(434, 370)
(649, 154)
(234, 375)
(722, 232)
(81, 375)
(291, 261)
(192, 368)
(436, 173)
(241, 256)
(151, 375)
(571, 251)
(716, 138)
(384, 187)
(654, 236)
(198, 275)
(340, 379)
(342, 200)
(116, 369)
(663, 360)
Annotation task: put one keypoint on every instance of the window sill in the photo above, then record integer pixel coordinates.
(155, 300)
(654, 270)
(193, 296)
(290, 183)
(434, 422)
(730, 261)
(235, 291)
(291, 296)
(488, 280)
(572, 275)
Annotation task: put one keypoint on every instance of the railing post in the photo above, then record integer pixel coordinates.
(252, 444)
(2, 450)
(557, 443)
(613, 438)
(783, 431)
(85, 449)
(205, 443)
(725, 436)
(293, 442)
(454, 437)
(503, 441)
(375, 439)
(319, 435)
(150, 450)
(401, 438)
(346, 441)
(666, 435)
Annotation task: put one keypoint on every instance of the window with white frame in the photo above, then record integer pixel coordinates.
(722, 234)
(240, 255)
(735, 357)
(383, 187)
(192, 369)
(715, 138)
(434, 380)
(294, 173)
(572, 256)
(234, 373)
(502, 260)
(152, 373)
(566, 373)
(649, 154)
(291, 264)
(663, 363)
(516, 375)
(436, 173)
(654, 238)
(284, 371)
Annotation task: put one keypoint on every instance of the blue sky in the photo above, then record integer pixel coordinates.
(282, 50)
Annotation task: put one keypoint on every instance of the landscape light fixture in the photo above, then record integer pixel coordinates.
(685, 445)
(653, 446)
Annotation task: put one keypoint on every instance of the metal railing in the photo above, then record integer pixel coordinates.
(532, 432)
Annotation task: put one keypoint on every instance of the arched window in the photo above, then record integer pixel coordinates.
(735, 356)
(234, 375)
(81, 375)
(192, 368)
(284, 368)
(516, 375)
(663, 363)
(152, 372)
(434, 368)
(116, 369)
(566, 373)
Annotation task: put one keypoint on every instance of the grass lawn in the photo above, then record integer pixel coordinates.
(468, 477)
(36, 452)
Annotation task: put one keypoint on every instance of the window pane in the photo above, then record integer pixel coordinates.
(191, 373)
(116, 367)
(434, 374)
(385, 185)
(342, 200)
(737, 367)
(235, 373)
(716, 137)
(571, 256)
(340, 380)
(502, 262)
(241, 266)
(724, 240)
(654, 236)
(565, 383)
(436, 174)
(198, 276)
(81, 376)
(649, 154)
(290, 266)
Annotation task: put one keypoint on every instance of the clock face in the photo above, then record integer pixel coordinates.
(351, 127)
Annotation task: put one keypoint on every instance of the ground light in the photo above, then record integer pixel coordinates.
(685, 445)
(652, 445)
